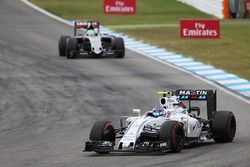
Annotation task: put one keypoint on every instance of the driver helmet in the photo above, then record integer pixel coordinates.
(158, 111)
(92, 28)
(90, 32)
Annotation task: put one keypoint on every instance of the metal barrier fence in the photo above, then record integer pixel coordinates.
(222, 8)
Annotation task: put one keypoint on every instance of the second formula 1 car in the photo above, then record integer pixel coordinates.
(88, 41)
(167, 127)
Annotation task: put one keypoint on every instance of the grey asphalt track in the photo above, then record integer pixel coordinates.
(48, 103)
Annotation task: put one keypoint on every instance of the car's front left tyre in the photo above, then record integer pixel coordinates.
(119, 47)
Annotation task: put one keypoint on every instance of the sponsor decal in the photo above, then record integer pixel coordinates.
(119, 6)
(200, 28)
(192, 92)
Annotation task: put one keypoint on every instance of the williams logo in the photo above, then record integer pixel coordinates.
(192, 92)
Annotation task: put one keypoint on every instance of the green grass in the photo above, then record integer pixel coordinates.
(231, 52)
(148, 11)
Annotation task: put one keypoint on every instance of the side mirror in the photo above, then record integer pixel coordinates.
(124, 122)
(137, 111)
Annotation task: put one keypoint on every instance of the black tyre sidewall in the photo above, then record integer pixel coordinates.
(170, 132)
(224, 126)
(102, 131)
(62, 44)
(71, 51)
(119, 47)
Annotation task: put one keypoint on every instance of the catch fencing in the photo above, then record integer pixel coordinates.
(212, 7)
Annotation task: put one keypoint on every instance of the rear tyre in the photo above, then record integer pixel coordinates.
(172, 132)
(71, 51)
(119, 47)
(62, 44)
(102, 131)
(223, 126)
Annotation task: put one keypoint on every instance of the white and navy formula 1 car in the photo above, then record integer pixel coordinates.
(88, 40)
(167, 127)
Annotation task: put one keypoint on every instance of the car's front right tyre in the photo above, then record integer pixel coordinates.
(172, 132)
(62, 44)
(102, 131)
(71, 50)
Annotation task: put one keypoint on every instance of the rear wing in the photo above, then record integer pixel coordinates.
(85, 25)
(210, 96)
(194, 94)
